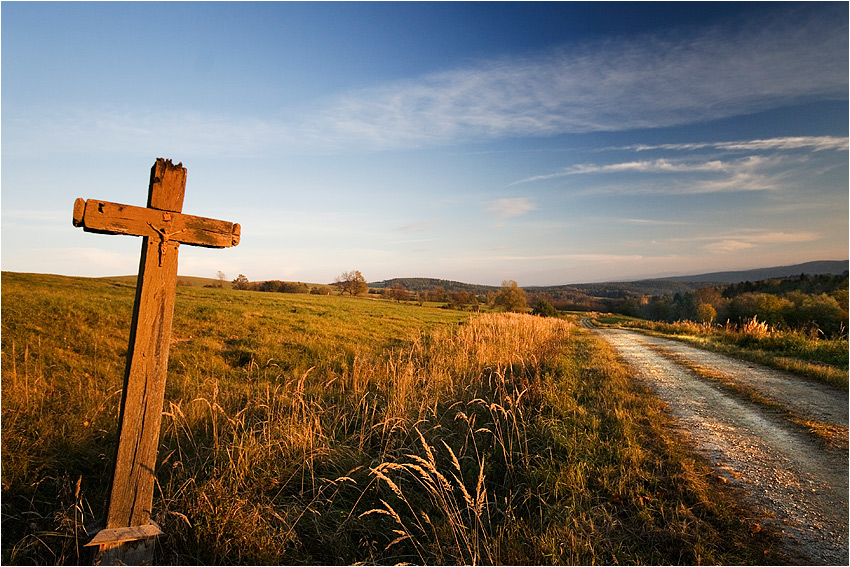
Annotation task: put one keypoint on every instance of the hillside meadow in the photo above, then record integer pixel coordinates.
(305, 429)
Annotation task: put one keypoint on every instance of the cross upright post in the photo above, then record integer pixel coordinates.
(129, 531)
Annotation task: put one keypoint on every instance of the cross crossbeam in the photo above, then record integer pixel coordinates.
(111, 218)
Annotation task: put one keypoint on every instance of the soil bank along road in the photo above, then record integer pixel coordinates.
(799, 483)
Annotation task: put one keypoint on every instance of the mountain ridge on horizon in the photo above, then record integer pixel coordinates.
(813, 268)
(646, 286)
(816, 267)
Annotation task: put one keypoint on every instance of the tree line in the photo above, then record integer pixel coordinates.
(816, 304)
(510, 297)
(243, 283)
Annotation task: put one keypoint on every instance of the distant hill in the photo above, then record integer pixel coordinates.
(640, 287)
(658, 286)
(581, 292)
(684, 284)
(423, 284)
(575, 294)
(810, 268)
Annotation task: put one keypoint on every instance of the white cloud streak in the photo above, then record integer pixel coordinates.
(595, 258)
(654, 222)
(748, 239)
(74, 260)
(611, 86)
(614, 85)
(157, 132)
(414, 227)
(713, 176)
(509, 208)
(50, 216)
(814, 143)
(651, 166)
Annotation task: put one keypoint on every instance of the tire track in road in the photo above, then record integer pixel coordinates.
(800, 485)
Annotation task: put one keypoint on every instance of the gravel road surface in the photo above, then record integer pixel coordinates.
(796, 481)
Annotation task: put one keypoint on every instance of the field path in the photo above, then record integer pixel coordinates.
(799, 483)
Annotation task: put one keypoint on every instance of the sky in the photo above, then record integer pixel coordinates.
(546, 143)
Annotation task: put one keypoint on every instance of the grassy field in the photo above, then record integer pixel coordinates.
(328, 430)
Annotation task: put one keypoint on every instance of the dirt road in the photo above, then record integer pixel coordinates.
(799, 483)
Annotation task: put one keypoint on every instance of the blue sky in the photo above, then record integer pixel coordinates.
(545, 143)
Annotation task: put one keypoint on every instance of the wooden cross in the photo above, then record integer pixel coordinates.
(163, 227)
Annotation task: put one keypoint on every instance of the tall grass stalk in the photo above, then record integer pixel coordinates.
(331, 430)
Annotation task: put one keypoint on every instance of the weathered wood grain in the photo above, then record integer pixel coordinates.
(131, 497)
(121, 535)
(104, 217)
(162, 225)
(166, 174)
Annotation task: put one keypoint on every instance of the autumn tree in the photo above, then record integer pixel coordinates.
(353, 283)
(511, 297)
(398, 292)
(222, 277)
(241, 282)
(706, 313)
(544, 309)
(460, 299)
(436, 294)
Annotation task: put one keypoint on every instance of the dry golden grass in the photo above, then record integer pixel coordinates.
(325, 430)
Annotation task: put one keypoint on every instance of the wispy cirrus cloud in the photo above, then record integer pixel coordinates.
(596, 258)
(654, 222)
(509, 208)
(414, 227)
(617, 85)
(814, 143)
(613, 85)
(73, 260)
(746, 239)
(689, 176)
(645, 166)
(42, 215)
(138, 131)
